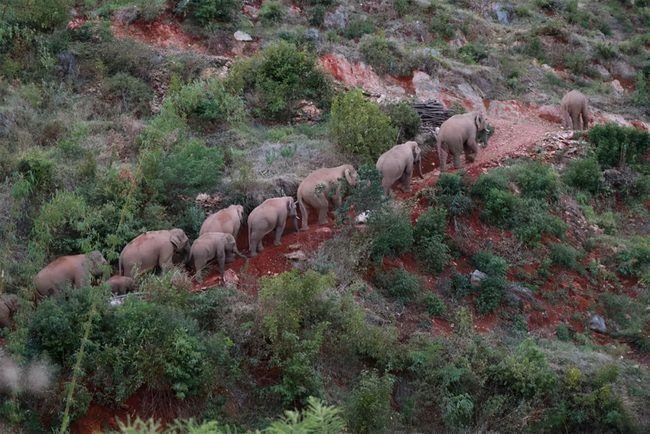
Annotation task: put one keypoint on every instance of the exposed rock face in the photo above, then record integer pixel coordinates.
(618, 88)
(622, 69)
(550, 113)
(602, 72)
(476, 278)
(338, 19)
(243, 36)
(425, 87)
(620, 179)
(597, 323)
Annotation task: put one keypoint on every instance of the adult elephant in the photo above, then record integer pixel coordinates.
(211, 246)
(321, 187)
(227, 220)
(457, 135)
(154, 249)
(397, 164)
(74, 270)
(575, 108)
(269, 215)
(9, 304)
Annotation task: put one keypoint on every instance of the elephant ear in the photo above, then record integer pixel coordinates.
(479, 121)
(178, 238)
(240, 212)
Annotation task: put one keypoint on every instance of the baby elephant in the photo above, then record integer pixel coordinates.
(154, 249)
(121, 284)
(457, 135)
(9, 304)
(574, 108)
(75, 270)
(270, 214)
(213, 245)
(397, 164)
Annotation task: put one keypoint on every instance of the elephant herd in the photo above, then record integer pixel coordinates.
(218, 234)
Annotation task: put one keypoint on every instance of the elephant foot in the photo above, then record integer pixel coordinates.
(253, 254)
(277, 243)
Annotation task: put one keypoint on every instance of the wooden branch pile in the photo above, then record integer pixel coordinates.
(432, 113)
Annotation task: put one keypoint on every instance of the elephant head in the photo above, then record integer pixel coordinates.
(239, 209)
(96, 263)
(350, 175)
(481, 127)
(292, 211)
(180, 242)
(417, 156)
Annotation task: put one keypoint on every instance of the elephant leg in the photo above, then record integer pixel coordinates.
(406, 180)
(457, 162)
(304, 214)
(575, 121)
(322, 215)
(442, 157)
(252, 246)
(279, 230)
(260, 246)
(221, 260)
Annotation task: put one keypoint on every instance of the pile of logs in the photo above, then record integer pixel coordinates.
(432, 113)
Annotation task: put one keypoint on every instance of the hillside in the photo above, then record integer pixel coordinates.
(510, 294)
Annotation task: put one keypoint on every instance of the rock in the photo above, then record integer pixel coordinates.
(307, 112)
(362, 218)
(501, 13)
(616, 85)
(243, 36)
(424, 4)
(230, 278)
(622, 69)
(312, 34)
(468, 93)
(597, 323)
(338, 19)
(620, 179)
(127, 15)
(298, 255)
(476, 278)
(602, 72)
(521, 292)
(550, 113)
(426, 88)
(67, 65)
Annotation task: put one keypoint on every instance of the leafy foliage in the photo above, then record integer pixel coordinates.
(405, 119)
(391, 231)
(585, 174)
(617, 146)
(399, 283)
(368, 409)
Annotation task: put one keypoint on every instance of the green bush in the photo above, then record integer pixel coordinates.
(384, 56)
(630, 317)
(585, 174)
(473, 52)
(490, 264)
(458, 411)
(536, 180)
(435, 305)
(367, 195)
(432, 222)
(317, 15)
(494, 179)
(358, 26)
(272, 11)
(577, 63)
(399, 284)
(358, 126)
(368, 409)
(37, 169)
(41, 15)
(605, 50)
(206, 11)
(441, 24)
(563, 332)
(634, 259)
(391, 231)
(206, 101)
(277, 78)
(617, 146)
(434, 253)
(501, 207)
(451, 193)
(405, 119)
(565, 256)
(491, 294)
(130, 93)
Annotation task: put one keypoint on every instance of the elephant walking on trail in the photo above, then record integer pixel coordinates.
(269, 215)
(227, 220)
(75, 270)
(457, 135)
(211, 246)
(154, 249)
(319, 187)
(575, 108)
(397, 164)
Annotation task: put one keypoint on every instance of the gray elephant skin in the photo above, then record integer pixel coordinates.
(74, 270)
(457, 135)
(575, 110)
(227, 220)
(268, 216)
(397, 164)
(321, 186)
(213, 245)
(9, 304)
(121, 284)
(155, 249)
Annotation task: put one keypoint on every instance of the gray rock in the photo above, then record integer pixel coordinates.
(502, 14)
(298, 255)
(127, 15)
(622, 69)
(476, 278)
(425, 87)
(67, 65)
(312, 34)
(243, 36)
(597, 323)
(602, 72)
(338, 19)
(620, 178)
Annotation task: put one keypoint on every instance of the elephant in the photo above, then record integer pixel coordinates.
(458, 134)
(9, 304)
(154, 249)
(270, 214)
(397, 164)
(319, 187)
(574, 108)
(121, 284)
(213, 245)
(227, 220)
(75, 270)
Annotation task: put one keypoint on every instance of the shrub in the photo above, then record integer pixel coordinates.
(42, 15)
(399, 283)
(130, 93)
(630, 317)
(368, 409)
(317, 15)
(367, 195)
(490, 264)
(494, 179)
(206, 11)
(405, 119)
(391, 231)
(585, 174)
(277, 78)
(473, 52)
(384, 55)
(450, 192)
(634, 259)
(434, 253)
(441, 24)
(536, 180)
(490, 294)
(458, 411)
(563, 332)
(435, 305)
(617, 146)
(359, 127)
(500, 208)
(358, 26)
(37, 168)
(206, 101)
(272, 11)
(605, 50)
(577, 63)
(432, 222)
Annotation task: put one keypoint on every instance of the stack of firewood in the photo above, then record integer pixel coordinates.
(432, 113)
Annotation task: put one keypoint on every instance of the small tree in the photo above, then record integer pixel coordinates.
(359, 127)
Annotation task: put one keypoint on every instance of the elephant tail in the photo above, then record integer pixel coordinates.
(303, 208)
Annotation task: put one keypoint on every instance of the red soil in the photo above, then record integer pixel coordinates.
(163, 32)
